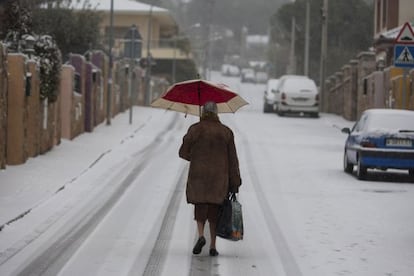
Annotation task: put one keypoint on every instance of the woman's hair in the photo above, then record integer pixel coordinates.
(210, 107)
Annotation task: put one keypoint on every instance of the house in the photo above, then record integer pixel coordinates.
(155, 25)
(389, 18)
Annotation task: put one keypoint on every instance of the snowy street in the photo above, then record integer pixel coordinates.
(112, 202)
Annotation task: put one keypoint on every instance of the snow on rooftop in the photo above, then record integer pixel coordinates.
(119, 5)
(393, 33)
(257, 39)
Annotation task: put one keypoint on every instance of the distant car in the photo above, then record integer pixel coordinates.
(269, 95)
(297, 94)
(261, 77)
(381, 139)
(247, 75)
(230, 70)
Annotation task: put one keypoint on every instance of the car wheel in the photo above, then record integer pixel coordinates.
(411, 174)
(280, 113)
(348, 167)
(361, 170)
(315, 115)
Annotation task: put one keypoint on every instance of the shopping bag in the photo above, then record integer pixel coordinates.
(230, 220)
(236, 220)
(224, 227)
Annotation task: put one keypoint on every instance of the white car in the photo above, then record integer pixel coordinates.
(269, 95)
(247, 75)
(261, 77)
(230, 70)
(297, 94)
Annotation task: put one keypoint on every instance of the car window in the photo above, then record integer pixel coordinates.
(360, 124)
(305, 85)
(392, 121)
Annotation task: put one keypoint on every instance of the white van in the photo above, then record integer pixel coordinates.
(297, 94)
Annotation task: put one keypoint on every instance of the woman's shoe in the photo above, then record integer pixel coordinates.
(213, 252)
(199, 245)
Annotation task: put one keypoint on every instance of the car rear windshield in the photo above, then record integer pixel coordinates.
(302, 85)
(392, 121)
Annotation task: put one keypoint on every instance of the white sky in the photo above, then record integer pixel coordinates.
(302, 214)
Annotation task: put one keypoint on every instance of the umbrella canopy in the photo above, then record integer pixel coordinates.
(189, 96)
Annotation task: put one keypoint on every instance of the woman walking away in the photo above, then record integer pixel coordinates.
(214, 171)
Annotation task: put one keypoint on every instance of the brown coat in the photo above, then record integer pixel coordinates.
(214, 166)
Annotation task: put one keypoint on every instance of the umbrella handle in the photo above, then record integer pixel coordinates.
(199, 100)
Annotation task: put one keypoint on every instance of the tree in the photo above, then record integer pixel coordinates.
(18, 26)
(349, 31)
(74, 31)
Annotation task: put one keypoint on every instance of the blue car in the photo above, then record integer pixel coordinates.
(381, 139)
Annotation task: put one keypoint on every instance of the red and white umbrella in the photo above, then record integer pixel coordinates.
(189, 96)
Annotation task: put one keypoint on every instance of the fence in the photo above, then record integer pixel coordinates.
(360, 85)
(31, 126)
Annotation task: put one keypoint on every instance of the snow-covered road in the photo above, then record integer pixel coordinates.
(125, 212)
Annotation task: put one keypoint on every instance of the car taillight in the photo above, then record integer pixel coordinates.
(368, 144)
(283, 96)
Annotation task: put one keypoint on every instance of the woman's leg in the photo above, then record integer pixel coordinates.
(213, 234)
(200, 228)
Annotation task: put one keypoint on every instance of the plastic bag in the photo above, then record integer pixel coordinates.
(230, 220)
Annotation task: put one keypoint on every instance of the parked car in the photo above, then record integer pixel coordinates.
(261, 77)
(230, 70)
(269, 95)
(381, 139)
(297, 94)
(247, 75)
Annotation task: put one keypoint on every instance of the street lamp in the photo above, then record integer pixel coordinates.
(324, 46)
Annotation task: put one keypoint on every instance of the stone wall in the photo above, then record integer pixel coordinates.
(33, 109)
(16, 111)
(71, 105)
(366, 65)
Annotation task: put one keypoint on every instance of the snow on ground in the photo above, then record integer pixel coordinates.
(303, 215)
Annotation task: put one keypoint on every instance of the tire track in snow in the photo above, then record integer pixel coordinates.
(289, 263)
(55, 255)
(159, 252)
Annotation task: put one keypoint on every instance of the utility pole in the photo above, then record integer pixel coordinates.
(149, 60)
(292, 58)
(131, 68)
(207, 56)
(306, 63)
(324, 46)
(108, 100)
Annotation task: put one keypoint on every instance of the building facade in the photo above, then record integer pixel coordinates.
(389, 18)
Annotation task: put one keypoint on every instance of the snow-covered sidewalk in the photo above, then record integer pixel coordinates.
(26, 186)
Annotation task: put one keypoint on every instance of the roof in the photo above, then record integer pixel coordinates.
(388, 111)
(257, 39)
(393, 33)
(128, 6)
